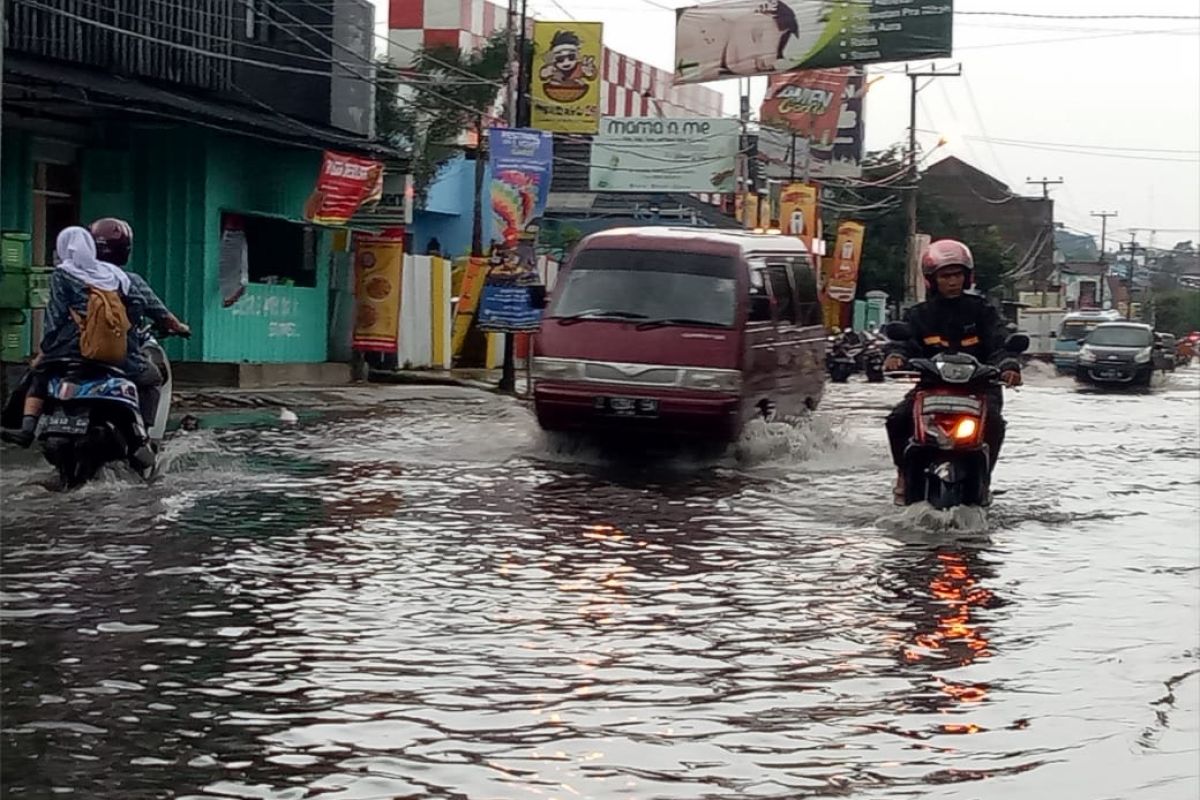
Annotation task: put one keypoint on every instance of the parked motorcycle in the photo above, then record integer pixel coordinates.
(842, 356)
(946, 462)
(92, 418)
(871, 360)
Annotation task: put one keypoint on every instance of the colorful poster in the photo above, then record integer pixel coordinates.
(847, 253)
(565, 88)
(521, 162)
(344, 185)
(813, 125)
(765, 37)
(643, 154)
(799, 211)
(379, 266)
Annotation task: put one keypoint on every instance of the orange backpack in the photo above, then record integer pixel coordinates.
(103, 331)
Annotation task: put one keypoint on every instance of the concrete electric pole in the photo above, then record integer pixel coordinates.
(913, 173)
(1103, 215)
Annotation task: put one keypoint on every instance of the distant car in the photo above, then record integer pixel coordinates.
(1119, 353)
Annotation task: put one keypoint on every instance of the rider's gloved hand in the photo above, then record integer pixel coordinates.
(1011, 378)
(893, 362)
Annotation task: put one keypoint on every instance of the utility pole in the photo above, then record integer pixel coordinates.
(1046, 183)
(913, 173)
(518, 117)
(743, 157)
(1133, 248)
(1103, 215)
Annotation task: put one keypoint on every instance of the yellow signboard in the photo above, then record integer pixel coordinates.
(847, 254)
(568, 58)
(468, 302)
(379, 267)
(798, 212)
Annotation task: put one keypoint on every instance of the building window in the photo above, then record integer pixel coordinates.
(279, 252)
(55, 206)
(251, 18)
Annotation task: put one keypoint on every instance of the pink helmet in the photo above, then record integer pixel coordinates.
(947, 253)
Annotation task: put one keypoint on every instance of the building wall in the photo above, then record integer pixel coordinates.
(629, 87)
(16, 182)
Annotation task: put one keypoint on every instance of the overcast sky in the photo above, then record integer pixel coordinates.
(1110, 106)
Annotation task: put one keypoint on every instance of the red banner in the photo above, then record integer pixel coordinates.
(808, 103)
(345, 184)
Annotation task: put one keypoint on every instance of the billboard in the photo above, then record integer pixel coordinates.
(764, 37)
(813, 125)
(847, 254)
(643, 154)
(565, 86)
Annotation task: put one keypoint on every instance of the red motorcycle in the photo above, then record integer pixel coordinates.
(947, 462)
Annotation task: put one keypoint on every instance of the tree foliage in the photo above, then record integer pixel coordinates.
(884, 247)
(430, 105)
(1177, 311)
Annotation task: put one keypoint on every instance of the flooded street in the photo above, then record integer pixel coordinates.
(437, 602)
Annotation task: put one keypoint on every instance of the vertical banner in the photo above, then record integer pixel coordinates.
(344, 184)
(521, 162)
(750, 210)
(565, 89)
(378, 265)
(468, 302)
(799, 213)
(847, 253)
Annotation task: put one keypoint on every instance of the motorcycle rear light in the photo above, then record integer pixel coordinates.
(966, 429)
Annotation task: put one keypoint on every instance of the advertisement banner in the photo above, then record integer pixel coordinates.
(345, 184)
(847, 253)
(565, 90)
(521, 162)
(766, 37)
(813, 125)
(799, 212)
(468, 302)
(378, 266)
(642, 154)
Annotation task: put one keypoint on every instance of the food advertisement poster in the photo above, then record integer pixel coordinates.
(642, 154)
(813, 125)
(345, 184)
(730, 38)
(565, 87)
(799, 211)
(378, 266)
(847, 254)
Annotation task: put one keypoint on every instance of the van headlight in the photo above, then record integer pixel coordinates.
(1087, 355)
(713, 380)
(551, 369)
(1142, 356)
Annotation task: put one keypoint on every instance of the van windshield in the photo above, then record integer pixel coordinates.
(1074, 331)
(1120, 336)
(650, 285)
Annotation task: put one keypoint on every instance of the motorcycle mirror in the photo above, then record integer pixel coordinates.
(897, 331)
(1016, 344)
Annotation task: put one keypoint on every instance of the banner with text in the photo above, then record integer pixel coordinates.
(568, 57)
(345, 184)
(379, 267)
(799, 213)
(764, 37)
(847, 254)
(640, 154)
(813, 125)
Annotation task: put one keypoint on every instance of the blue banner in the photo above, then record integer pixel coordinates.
(522, 164)
(507, 307)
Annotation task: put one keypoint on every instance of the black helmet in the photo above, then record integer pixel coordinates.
(114, 240)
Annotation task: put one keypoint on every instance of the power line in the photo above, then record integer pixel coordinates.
(1072, 16)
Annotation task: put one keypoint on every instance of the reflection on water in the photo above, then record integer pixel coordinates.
(441, 604)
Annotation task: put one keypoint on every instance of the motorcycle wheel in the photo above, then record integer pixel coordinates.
(942, 495)
(839, 374)
(874, 376)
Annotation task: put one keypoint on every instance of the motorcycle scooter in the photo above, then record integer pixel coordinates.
(92, 418)
(947, 462)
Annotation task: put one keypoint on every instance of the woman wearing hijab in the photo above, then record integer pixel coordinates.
(76, 271)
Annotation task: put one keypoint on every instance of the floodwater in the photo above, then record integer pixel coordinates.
(436, 602)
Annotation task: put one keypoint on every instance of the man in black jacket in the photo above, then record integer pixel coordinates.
(957, 322)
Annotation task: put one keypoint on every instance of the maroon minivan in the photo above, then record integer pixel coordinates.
(684, 333)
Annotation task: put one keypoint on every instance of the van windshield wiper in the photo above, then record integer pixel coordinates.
(659, 323)
(597, 313)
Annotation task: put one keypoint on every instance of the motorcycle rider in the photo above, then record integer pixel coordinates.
(76, 272)
(114, 244)
(954, 321)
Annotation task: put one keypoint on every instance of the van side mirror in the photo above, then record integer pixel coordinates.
(760, 308)
(1016, 344)
(897, 331)
(1053, 334)
(537, 297)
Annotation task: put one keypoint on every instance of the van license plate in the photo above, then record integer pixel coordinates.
(627, 406)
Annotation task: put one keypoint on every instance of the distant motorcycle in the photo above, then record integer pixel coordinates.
(841, 356)
(946, 463)
(871, 358)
